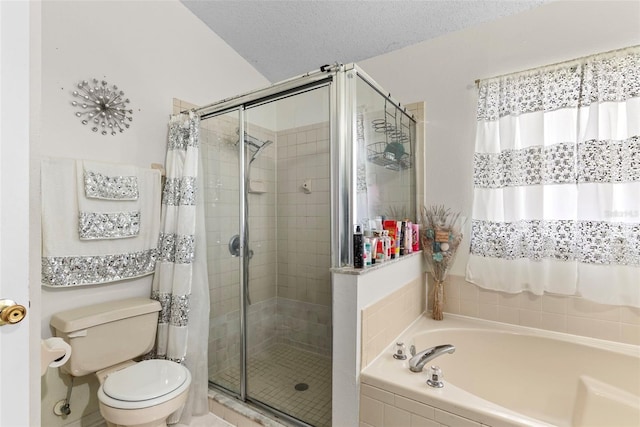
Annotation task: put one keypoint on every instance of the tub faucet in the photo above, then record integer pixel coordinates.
(417, 362)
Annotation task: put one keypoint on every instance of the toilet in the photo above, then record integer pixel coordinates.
(105, 339)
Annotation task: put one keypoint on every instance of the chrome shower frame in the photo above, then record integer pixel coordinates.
(341, 80)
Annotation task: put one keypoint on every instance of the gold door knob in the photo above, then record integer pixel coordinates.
(10, 312)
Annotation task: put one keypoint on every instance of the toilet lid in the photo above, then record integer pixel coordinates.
(145, 380)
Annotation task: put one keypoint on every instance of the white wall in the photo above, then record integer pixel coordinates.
(154, 51)
(442, 71)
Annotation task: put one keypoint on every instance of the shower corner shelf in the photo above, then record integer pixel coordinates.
(379, 154)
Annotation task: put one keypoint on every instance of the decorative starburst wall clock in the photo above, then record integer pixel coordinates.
(103, 107)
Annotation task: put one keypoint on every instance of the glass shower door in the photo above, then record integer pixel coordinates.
(266, 169)
(287, 180)
(221, 177)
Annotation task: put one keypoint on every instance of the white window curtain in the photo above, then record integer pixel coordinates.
(180, 281)
(557, 180)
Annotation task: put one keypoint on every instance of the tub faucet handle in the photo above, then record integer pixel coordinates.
(401, 351)
(435, 377)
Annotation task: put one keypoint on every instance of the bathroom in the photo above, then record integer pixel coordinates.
(153, 67)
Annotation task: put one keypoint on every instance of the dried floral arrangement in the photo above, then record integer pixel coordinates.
(441, 235)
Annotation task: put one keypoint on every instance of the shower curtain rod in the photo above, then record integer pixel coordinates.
(555, 64)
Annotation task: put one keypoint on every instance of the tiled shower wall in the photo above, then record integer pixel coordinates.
(304, 240)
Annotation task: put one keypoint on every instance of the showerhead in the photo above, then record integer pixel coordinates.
(264, 145)
(254, 144)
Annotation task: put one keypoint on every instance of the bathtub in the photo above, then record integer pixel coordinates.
(503, 375)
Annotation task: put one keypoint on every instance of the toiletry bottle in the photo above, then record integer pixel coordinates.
(374, 248)
(392, 247)
(358, 248)
(366, 231)
(408, 242)
(398, 237)
(367, 252)
(390, 226)
(416, 237)
(403, 238)
(387, 245)
(378, 223)
(380, 252)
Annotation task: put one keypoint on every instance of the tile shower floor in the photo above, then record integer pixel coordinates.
(273, 375)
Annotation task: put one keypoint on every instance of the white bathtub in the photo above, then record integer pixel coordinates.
(509, 375)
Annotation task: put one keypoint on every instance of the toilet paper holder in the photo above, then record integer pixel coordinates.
(54, 352)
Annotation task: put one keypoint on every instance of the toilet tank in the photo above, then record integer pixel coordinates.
(103, 335)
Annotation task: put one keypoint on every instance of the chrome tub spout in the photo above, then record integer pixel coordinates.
(417, 362)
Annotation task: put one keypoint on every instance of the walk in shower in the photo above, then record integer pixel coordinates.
(284, 173)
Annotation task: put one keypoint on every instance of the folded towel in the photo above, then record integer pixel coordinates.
(108, 200)
(67, 260)
(107, 181)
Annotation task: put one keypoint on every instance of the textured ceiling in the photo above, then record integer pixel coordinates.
(282, 39)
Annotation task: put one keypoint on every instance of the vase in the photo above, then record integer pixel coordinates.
(438, 300)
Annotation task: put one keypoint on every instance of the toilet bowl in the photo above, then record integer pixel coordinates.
(142, 394)
(104, 340)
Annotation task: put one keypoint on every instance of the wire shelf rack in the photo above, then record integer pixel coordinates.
(395, 151)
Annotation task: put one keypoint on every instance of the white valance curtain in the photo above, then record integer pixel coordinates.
(180, 281)
(557, 180)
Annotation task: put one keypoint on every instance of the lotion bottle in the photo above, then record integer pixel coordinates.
(367, 252)
(387, 245)
(416, 237)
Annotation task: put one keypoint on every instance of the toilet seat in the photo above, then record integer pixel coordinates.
(147, 383)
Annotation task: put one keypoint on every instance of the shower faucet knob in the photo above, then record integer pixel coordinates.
(234, 245)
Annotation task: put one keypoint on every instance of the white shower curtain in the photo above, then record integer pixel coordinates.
(180, 281)
(557, 180)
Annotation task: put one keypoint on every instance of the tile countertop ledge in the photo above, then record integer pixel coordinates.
(377, 266)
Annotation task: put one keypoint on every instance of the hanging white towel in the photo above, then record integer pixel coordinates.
(69, 261)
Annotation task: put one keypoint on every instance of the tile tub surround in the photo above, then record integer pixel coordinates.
(387, 318)
(380, 408)
(353, 292)
(559, 313)
(480, 390)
